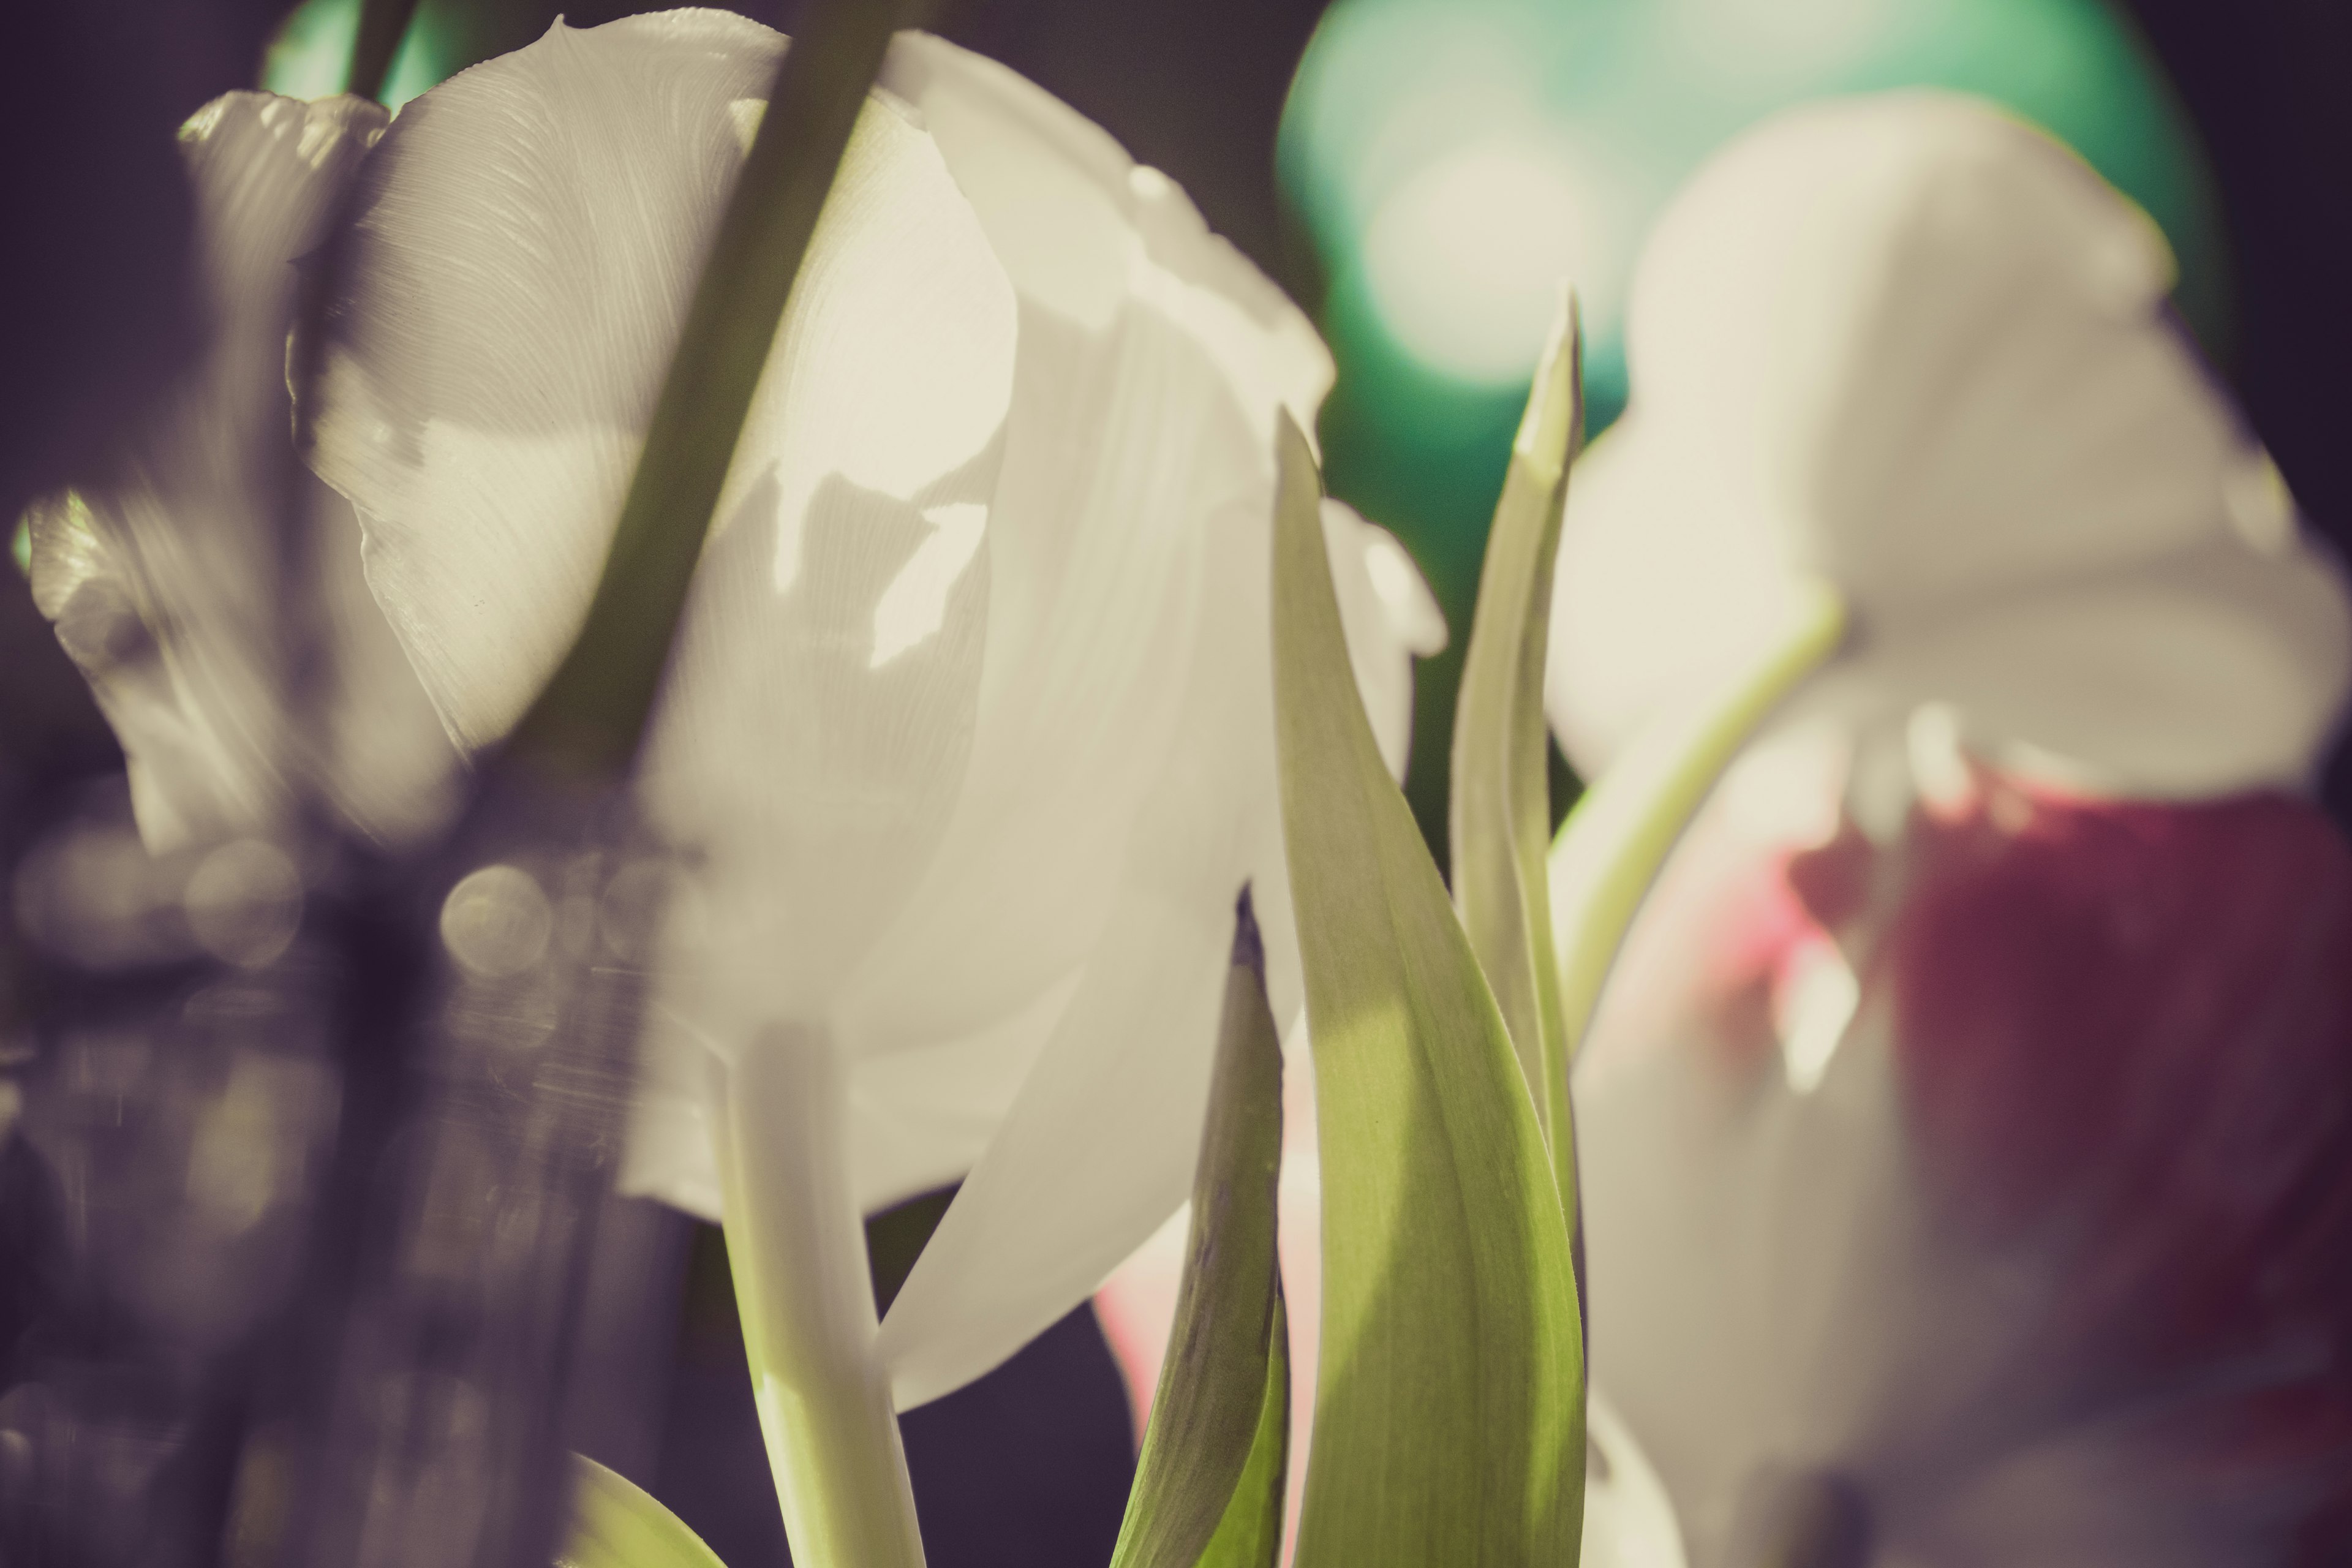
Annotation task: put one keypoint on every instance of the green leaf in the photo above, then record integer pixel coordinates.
(616, 1525)
(1449, 1424)
(1501, 795)
(589, 719)
(1208, 1488)
(1611, 846)
(1250, 1536)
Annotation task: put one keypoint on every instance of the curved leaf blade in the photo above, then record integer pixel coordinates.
(1449, 1408)
(615, 1524)
(1251, 1533)
(1208, 1487)
(1501, 817)
(1611, 846)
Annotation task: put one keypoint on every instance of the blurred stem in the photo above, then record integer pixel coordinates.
(382, 24)
(796, 1244)
(589, 719)
(1611, 847)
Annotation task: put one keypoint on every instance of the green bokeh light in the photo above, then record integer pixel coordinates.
(311, 55)
(1450, 158)
(1407, 111)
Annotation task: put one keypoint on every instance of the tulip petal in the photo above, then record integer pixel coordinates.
(1628, 1520)
(1069, 212)
(528, 237)
(1664, 586)
(528, 234)
(2218, 667)
(1132, 460)
(1389, 617)
(1100, 1146)
(2039, 1262)
(1925, 341)
(1151, 358)
(162, 579)
(1914, 346)
(2201, 674)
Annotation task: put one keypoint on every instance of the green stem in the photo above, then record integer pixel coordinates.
(1611, 847)
(797, 1246)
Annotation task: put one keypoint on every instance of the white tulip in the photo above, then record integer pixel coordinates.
(967, 738)
(1960, 1143)
(1914, 347)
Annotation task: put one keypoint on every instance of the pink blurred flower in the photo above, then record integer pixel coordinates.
(1967, 1130)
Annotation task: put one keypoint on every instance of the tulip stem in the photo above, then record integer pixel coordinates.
(797, 1249)
(1610, 849)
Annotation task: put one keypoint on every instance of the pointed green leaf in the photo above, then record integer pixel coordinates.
(594, 708)
(616, 1525)
(1449, 1420)
(1208, 1488)
(1610, 847)
(1501, 796)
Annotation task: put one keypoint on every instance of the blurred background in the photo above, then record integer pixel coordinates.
(1415, 172)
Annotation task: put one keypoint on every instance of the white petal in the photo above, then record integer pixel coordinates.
(1100, 1146)
(1760, 1256)
(164, 580)
(1383, 609)
(1388, 614)
(1628, 1520)
(1096, 560)
(808, 786)
(1151, 360)
(2204, 673)
(1911, 344)
(1926, 344)
(1665, 584)
(1069, 212)
(530, 233)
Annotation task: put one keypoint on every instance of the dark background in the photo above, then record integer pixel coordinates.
(1030, 1466)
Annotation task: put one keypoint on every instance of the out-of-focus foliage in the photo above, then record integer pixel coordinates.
(614, 1524)
(311, 57)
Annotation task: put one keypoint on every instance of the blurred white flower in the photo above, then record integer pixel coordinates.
(162, 576)
(1965, 1156)
(1915, 347)
(967, 737)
